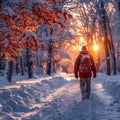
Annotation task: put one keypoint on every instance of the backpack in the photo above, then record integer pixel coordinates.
(85, 63)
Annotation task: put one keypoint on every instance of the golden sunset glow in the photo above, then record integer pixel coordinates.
(95, 46)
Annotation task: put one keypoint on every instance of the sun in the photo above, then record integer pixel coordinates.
(95, 47)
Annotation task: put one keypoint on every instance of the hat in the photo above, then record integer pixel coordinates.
(84, 48)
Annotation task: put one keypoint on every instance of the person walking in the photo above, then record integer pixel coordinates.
(84, 69)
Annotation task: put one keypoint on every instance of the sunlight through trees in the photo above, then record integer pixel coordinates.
(54, 31)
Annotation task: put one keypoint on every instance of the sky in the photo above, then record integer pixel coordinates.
(58, 97)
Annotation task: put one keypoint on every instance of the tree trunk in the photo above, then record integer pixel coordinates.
(8, 70)
(21, 64)
(29, 62)
(2, 63)
(106, 43)
(49, 59)
(118, 68)
(112, 47)
(41, 59)
(48, 72)
(17, 68)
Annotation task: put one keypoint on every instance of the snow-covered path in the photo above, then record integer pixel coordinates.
(69, 106)
(59, 98)
(106, 105)
(66, 104)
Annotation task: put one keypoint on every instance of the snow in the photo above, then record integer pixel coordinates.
(8, 11)
(58, 97)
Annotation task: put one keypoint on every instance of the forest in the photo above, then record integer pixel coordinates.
(45, 37)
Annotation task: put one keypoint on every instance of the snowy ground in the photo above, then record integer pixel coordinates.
(58, 98)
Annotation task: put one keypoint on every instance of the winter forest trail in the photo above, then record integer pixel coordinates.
(67, 104)
(106, 106)
(59, 98)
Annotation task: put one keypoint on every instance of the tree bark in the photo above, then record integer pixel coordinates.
(29, 62)
(2, 64)
(41, 59)
(21, 64)
(112, 47)
(48, 72)
(8, 70)
(106, 43)
(17, 68)
(49, 59)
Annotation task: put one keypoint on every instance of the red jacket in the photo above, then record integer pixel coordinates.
(82, 74)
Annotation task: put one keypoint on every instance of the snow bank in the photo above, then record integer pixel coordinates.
(58, 97)
(111, 83)
(19, 101)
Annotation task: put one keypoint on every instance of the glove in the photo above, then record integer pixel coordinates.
(94, 76)
(76, 76)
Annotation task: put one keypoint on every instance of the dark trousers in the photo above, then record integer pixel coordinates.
(85, 86)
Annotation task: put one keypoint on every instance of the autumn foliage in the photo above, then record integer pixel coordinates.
(21, 19)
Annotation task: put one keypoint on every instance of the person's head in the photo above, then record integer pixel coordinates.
(84, 48)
